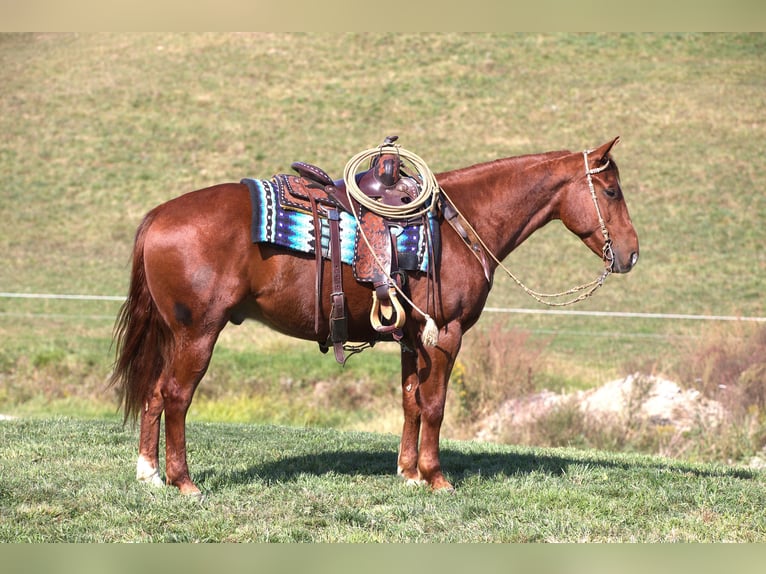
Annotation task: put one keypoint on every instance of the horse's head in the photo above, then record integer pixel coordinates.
(594, 208)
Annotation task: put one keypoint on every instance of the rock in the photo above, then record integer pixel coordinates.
(635, 399)
(653, 399)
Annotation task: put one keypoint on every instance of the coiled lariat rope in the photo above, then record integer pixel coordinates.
(425, 202)
(422, 204)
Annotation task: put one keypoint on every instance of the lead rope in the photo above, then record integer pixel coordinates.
(422, 204)
(591, 287)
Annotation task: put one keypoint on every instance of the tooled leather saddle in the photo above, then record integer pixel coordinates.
(376, 259)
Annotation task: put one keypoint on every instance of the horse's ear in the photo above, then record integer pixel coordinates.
(602, 151)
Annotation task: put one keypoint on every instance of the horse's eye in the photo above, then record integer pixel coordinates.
(610, 192)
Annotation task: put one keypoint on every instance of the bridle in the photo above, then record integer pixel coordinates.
(606, 251)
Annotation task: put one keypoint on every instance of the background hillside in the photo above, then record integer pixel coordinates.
(98, 129)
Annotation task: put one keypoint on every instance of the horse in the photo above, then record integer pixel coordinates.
(195, 269)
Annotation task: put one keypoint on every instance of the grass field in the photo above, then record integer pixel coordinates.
(99, 128)
(72, 481)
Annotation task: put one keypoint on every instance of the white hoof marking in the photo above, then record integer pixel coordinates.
(145, 472)
(410, 481)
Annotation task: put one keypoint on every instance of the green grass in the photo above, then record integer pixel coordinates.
(68, 480)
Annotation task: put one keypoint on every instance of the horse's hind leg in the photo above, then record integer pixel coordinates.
(191, 358)
(148, 465)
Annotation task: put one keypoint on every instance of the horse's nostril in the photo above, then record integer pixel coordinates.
(633, 258)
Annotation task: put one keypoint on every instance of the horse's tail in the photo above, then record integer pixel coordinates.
(142, 338)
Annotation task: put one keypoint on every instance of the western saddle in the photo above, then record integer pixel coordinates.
(375, 256)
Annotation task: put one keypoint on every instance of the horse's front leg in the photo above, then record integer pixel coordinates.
(407, 465)
(424, 397)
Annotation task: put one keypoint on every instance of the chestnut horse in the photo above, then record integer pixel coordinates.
(195, 269)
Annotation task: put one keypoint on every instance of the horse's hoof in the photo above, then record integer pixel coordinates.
(414, 482)
(190, 489)
(441, 484)
(410, 480)
(195, 496)
(146, 473)
(444, 489)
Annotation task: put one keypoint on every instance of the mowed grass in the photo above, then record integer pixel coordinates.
(67, 480)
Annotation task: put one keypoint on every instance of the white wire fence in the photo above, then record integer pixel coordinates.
(543, 312)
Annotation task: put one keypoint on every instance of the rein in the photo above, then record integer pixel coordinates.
(586, 289)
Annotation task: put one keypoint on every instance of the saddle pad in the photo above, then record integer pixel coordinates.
(271, 223)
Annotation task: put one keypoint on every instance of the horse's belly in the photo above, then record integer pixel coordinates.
(284, 296)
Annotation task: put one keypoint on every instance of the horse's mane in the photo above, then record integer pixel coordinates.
(518, 162)
(514, 162)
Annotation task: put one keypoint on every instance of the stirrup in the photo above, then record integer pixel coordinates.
(393, 308)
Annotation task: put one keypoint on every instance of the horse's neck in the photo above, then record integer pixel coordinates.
(509, 199)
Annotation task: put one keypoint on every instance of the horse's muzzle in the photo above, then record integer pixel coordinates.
(624, 264)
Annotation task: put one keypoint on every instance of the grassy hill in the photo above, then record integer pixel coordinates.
(99, 128)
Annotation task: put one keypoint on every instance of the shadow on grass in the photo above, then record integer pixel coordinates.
(458, 466)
